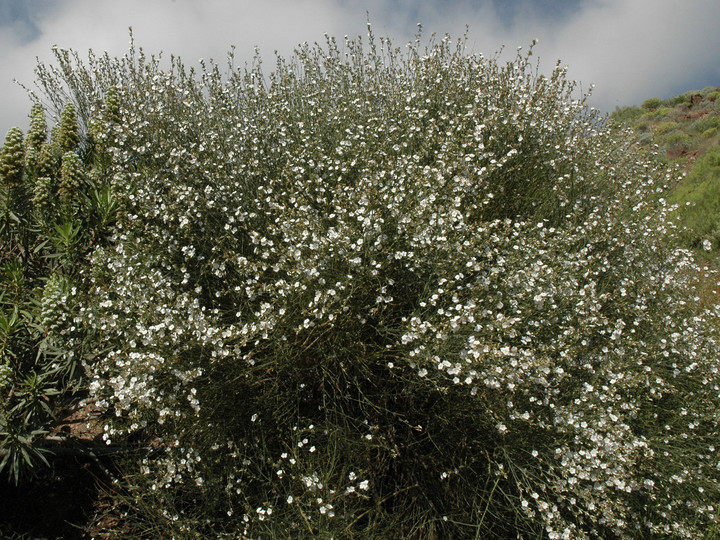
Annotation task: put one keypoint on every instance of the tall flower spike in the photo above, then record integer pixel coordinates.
(51, 303)
(101, 126)
(112, 105)
(43, 199)
(12, 158)
(46, 162)
(95, 134)
(31, 159)
(37, 134)
(66, 135)
(72, 176)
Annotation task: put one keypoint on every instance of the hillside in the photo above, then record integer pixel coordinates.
(684, 131)
(387, 294)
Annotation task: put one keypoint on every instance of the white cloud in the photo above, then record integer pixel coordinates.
(637, 49)
(630, 49)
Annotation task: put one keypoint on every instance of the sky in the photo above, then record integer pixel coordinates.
(629, 50)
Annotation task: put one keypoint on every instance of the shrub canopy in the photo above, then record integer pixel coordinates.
(382, 292)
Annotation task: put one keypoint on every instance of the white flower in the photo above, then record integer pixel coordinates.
(707, 245)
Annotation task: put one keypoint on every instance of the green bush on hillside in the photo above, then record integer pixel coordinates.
(651, 103)
(708, 122)
(626, 114)
(675, 139)
(665, 127)
(378, 294)
(681, 99)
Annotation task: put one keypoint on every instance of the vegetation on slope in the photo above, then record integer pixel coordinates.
(374, 294)
(685, 130)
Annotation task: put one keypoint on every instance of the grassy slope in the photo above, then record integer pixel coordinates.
(685, 130)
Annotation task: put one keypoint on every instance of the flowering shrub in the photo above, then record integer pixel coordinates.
(389, 294)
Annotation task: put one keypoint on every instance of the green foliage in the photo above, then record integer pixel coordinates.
(104, 206)
(626, 114)
(648, 117)
(708, 122)
(67, 241)
(20, 456)
(652, 103)
(676, 139)
(665, 127)
(51, 219)
(698, 198)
